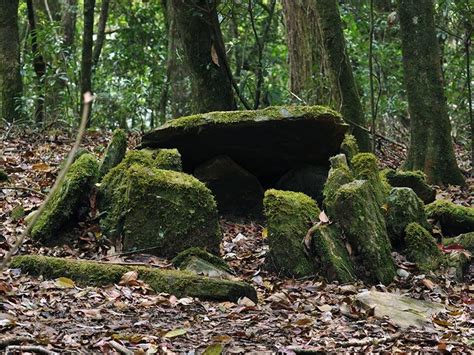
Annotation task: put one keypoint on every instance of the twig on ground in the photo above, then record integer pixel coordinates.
(85, 114)
(29, 348)
(22, 188)
(11, 340)
(120, 348)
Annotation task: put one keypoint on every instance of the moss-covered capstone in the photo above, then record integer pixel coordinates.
(360, 218)
(339, 174)
(454, 219)
(267, 142)
(162, 211)
(416, 180)
(178, 283)
(308, 179)
(466, 240)
(365, 167)
(115, 152)
(168, 159)
(68, 200)
(332, 258)
(237, 191)
(402, 208)
(289, 216)
(349, 147)
(421, 247)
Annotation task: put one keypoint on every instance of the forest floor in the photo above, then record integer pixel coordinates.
(305, 312)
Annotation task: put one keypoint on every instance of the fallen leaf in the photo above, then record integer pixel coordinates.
(428, 284)
(214, 349)
(325, 308)
(245, 301)
(175, 333)
(41, 167)
(214, 56)
(129, 278)
(323, 217)
(64, 282)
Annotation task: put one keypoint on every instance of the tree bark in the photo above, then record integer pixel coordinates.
(431, 148)
(68, 21)
(39, 64)
(87, 44)
(306, 66)
(204, 52)
(99, 43)
(10, 79)
(340, 70)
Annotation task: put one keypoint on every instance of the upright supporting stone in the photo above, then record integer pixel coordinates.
(115, 152)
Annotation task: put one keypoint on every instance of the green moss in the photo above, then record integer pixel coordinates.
(168, 159)
(402, 208)
(115, 152)
(349, 147)
(421, 247)
(178, 283)
(79, 152)
(466, 240)
(365, 167)
(339, 174)
(360, 218)
(268, 114)
(289, 216)
(416, 180)
(454, 219)
(3, 175)
(17, 213)
(66, 202)
(163, 211)
(333, 260)
(184, 256)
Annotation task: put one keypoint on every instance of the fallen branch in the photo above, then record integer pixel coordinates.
(23, 189)
(29, 348)
(120, 348)
(13, 340)
(85, 114)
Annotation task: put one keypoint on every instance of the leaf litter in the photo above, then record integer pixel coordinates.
(291, 315)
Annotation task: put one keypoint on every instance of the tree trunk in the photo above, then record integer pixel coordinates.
(431, 149)
(204, 52)
(99, 43)
(10, 79)
(68, 21)
(306, 67)
(39, 64)
(87, 43)
(340, 70)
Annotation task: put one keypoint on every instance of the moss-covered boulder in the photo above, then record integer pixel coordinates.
(178, 283)
(365, 167)
(415, 180)
(339, 174)
(308, 179)
(267, 143)
(466, 240)
(168, 159)
(162, 211)
(68, 201)
(289, 216)
(454, 219)
(237, 192)
(3, 175)
(115, 152)
(349, 147)
(79, 152)
(332, 258)
(185, 255)
(421, 247)
(358, 213)
(402, 208)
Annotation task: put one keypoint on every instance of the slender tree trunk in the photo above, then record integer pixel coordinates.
(306, 65)
(87, 43)
(39, 63)
(340, 70)
(204, 52)
(11, 87)
(99, 43)
(431, 148)
(68, 20)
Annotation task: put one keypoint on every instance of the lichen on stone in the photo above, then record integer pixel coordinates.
(358, 214)
(168, 159)
(421, 247)
(416, 180)
(115, 152)
(402, 208)
(289, 216)
(332, 258)
(454, 219)
(67, 200)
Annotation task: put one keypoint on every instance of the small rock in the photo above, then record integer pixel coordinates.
(403, 273)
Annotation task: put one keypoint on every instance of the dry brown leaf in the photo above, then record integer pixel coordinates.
(129, 278)
(214, 56)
